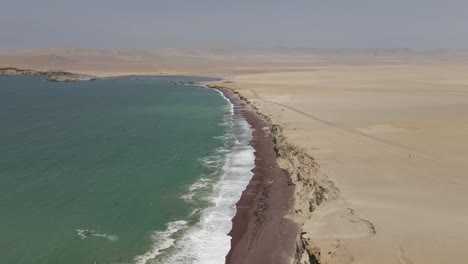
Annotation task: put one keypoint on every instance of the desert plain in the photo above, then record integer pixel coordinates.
(393, 141)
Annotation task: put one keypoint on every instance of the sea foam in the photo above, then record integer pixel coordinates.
(162, 240)
(207, 241)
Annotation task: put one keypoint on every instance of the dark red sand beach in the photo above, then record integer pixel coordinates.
(260, 233)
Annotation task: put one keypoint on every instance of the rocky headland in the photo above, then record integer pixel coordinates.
(53, 76)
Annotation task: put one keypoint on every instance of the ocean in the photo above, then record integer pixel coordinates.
(119, 170)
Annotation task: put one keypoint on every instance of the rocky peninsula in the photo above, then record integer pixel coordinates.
(53, 76)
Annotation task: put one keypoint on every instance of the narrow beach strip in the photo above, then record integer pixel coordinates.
(260, 232)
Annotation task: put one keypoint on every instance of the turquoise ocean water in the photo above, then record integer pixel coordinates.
(151, 167)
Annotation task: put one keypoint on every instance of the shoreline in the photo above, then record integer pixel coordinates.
(260, 232)
(73, 76)
(294, 198)
(262, 228)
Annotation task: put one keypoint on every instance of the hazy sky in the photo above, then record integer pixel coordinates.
(156, 23)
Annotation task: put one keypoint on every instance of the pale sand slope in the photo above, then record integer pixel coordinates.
(394, 141)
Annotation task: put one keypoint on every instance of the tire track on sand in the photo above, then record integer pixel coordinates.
(346, 129)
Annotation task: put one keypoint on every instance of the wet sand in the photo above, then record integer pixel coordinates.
(260, 232)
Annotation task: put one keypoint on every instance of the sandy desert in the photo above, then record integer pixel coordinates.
(391, 147)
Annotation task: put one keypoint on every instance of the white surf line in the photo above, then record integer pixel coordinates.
(207, 241)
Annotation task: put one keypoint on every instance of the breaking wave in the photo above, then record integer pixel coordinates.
(226, 174)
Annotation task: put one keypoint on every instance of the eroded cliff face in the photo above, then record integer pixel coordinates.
(312, 189)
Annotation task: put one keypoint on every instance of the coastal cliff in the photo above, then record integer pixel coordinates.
(311, 189)
(53, 76)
